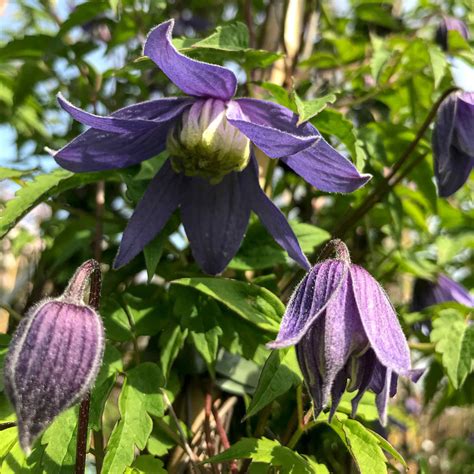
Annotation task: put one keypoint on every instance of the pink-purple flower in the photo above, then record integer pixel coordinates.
(345, 328)
(453, 142)
(447, 24)
(212, 173)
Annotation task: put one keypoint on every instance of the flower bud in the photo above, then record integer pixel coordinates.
(54, 357)
(448, 24)
(205, 144)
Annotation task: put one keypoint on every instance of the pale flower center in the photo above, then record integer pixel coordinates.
(205, 144)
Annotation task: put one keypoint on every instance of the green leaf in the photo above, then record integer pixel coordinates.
(7, 440)
(153, 252)
(364, 448)
(39, 190)
(307, 109)
(386, 446)
(16, 462)
(279, 374)
(380, 56)
(61, 438)
(140, 399)
(309, 236)
(454, 339)
(7, 173)
(171, 341)
(252, 303)
(146, 464)
(266, 451)
(439, 64)
(233, 37)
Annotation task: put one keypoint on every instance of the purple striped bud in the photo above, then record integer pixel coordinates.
(54, 356)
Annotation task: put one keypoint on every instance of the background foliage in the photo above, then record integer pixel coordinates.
(367, 75)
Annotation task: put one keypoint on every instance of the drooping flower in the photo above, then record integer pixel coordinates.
(449, 23)
(54, 357)
(345, 328)
(427, 293)
(453, 142)
(212, 173)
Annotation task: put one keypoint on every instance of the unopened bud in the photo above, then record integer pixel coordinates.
(54, 357)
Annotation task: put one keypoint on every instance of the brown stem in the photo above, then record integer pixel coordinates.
(224, 438)
(5, 426)
(207, 428)
(81, 446)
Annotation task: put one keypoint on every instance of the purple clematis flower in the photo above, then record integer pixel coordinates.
(453, 142)
(344, 327)
(427, 293)
(449, 23)
(212, 173)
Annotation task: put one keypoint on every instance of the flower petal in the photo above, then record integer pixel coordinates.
(337, 392)
(326, 169)
(311, 297)
(161, 198)
(343, 335)
(453, 291)
(271, 217)
(271, 127)
(465, 123)
(380, 322)
(193, 77)
(215, 218)
(135, 118)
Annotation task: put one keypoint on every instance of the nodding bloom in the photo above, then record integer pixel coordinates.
(54, 357)
(449, 23)
(345, 329)
(427, 293)
(453, 142)
(211, 173)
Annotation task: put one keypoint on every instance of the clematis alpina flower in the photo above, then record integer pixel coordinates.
(212, 173)
(449, 23)
(345, 328)
(54, 357)
(453, 142)
(427, 293)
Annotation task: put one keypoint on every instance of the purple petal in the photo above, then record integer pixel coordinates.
(380, 322)
(326, 169)
(271, 217)
(361, 379)
(193, 77)
(381, 400)
(271, 127)
(343, 335)
(52, 362)
(452, 165)
(337, 392)
(453, 291)
(161, 198)
(311, 297)
(465, 123)
(215, 218)
(134, 118)
(96, 150)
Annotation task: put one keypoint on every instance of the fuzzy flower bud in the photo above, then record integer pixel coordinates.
(448, 24)
(205, 144)
(54, 355)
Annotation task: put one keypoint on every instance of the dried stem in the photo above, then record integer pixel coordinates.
(207, 428)
(223, 436)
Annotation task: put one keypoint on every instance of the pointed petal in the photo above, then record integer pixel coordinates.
(307, 352)
(160, 200)
(215, 218)
(380, 321)
(337, 392)
(271, 127)
(193, 77)
(343, 335)
(453, 291)
(271, 217)
(311, 297)
(326, 169)
(452, 165)
(365, 370)
(381, 400)
(133, 118)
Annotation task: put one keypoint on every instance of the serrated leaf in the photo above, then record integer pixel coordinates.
(39, 190)
(61, 438)
(307, 109)
(454, 340)
(7, 173)
(139, 399)
(254, 304)
(279, 374)
(233, 37)
(266, 451)
(439, 64)
(364, 448)
(386, 446)
(146, 464)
